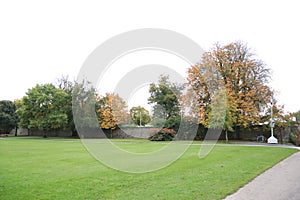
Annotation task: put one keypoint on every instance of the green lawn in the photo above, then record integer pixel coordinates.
(62, 169)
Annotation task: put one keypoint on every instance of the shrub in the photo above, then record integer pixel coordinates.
(295, 138)
(164, 134)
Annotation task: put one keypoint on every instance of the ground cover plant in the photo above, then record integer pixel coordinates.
(63, 169)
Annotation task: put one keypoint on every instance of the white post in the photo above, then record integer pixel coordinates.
(140, 118)
(272, 139)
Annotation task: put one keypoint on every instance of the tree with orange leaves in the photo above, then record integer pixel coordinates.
(241, 74)
(111, 110)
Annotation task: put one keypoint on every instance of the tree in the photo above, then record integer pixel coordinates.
(140, 116)
(8, 118)
(67, 86)
(166, 97)
(296, 116)
(294, 123)
(244, 78)
(111, 111)
(83, 108)
(220, 116)
(44, 107)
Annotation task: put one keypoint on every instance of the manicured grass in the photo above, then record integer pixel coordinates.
(62, 169)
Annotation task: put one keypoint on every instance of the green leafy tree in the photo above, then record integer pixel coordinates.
(140, 116)
(294, 123)
(83, 106)
(165, 98)
(296, 117)
(221, 113)
(44, 107)
(8, 118)
(69, 87)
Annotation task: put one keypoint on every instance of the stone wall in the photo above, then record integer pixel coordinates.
(251, 133)
(131, 132)
(51, 133)
(127, 132)
(20, 132)
(145, 132)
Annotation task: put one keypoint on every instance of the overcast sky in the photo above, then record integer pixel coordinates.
(40, 41)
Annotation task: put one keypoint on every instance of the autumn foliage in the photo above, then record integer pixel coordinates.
(242, 77)
(111, 110)
(227, 89)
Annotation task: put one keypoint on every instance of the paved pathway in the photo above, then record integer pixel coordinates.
(281, 182)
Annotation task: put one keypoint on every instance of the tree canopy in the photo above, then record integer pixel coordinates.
(8, 118)
(83, 105)
(44, 107)
(244, 78)
(227, 73)
(165, 97)
(140, 116)
(111, 111)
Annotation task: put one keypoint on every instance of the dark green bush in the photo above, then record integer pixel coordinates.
(295, 138)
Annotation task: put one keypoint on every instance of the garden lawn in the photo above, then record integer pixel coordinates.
(63, 169)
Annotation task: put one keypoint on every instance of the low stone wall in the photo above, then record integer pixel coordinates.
(51, 133)
(20, 132)
(145, 132)
(131, 132)
(125, 132)
(251, 133)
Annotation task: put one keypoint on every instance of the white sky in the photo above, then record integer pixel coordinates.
(43, 40)
(139, 94)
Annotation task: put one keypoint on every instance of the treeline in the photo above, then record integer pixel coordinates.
(229, 80)
(52, 107)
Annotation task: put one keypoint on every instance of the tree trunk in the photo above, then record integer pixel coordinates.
(226, 136)
(237, 132)
(281, 135)
(45, 134)
(74, 132)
